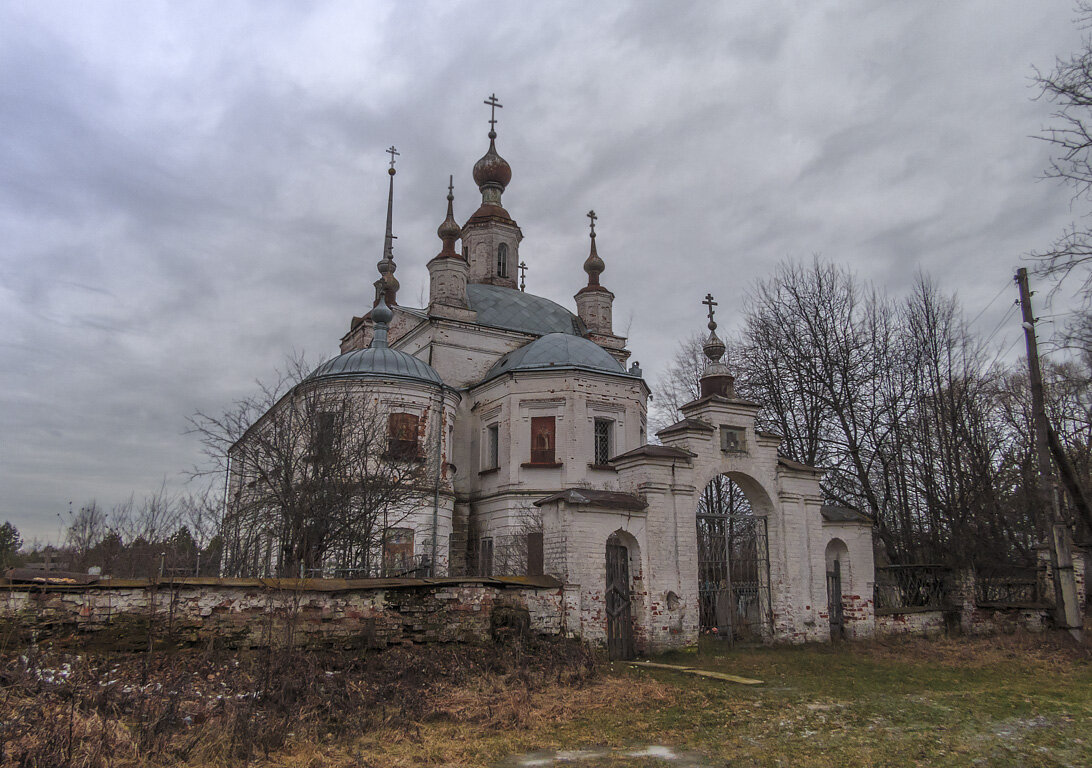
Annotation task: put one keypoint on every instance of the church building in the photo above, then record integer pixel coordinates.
(536, 424)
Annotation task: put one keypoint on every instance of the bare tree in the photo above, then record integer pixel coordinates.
(1069, 87)
(679, 383)
(320, 476)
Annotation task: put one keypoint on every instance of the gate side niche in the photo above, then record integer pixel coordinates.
(847, 535)
(638, 593)
(576, 525)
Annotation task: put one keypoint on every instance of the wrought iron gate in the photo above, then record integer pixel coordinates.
(619, 619)
(733, 575)
(834, 601)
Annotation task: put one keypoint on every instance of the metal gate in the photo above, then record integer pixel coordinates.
(619, 617)
(733, 575)
(834, 601)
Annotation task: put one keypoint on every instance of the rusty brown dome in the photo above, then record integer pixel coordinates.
(492, 168)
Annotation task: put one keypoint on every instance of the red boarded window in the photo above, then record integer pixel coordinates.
(398, 551)
(402, 435)
(543, 432)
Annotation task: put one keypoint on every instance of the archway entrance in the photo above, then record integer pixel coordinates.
(617, 599)
(837, 557)
(733, 563)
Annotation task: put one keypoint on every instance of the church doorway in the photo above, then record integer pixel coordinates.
(733, 563)
(617, 599)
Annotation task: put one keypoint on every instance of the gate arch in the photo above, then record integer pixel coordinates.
(733, 558)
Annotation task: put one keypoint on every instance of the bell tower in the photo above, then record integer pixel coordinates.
(490, 236)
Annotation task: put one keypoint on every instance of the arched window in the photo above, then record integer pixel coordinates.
(502, 260)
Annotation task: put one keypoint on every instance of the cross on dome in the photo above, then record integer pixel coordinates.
(493, 105)
(591, 215)
(393, 153)
(710, 303)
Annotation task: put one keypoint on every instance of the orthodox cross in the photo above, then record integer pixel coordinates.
(451, 184)
(493, 105)
(710, 303)
(392, 152)
(523, 275)
(593, 217)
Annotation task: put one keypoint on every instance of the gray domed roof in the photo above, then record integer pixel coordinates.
(380, 362)
(514, 310)
(558, 351)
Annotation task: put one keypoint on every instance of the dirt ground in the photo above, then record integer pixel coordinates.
(1014, 700)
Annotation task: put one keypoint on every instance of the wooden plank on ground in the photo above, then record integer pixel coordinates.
(697, 672)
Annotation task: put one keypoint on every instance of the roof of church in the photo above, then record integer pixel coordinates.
(558, 351)
(377, 362)
(514, 310)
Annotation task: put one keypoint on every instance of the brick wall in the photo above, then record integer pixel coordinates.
(246, 613)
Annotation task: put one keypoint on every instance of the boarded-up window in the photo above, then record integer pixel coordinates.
(398, 551)
(542, 439)
(492, 458)
(485, 557)
(324, 433)
(402, 432)
(534, 553)
(502, 260)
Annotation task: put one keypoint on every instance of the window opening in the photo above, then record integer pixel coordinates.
(485, 556)
(398, 551)
(325, 426)
(402, 435)
(602, 452)
(542, 439)
(493, 446)
(502, 260)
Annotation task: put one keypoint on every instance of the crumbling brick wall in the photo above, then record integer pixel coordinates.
(249, 613)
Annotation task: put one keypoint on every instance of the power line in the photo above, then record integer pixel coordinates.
(1004, 288)
(1004, 319)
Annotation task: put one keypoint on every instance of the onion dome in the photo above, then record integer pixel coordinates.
(492, 169)
(594, 265)
(449, 230)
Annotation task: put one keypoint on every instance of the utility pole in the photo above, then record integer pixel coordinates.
(1067, 609)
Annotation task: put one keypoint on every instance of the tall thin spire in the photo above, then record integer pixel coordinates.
(387, 284)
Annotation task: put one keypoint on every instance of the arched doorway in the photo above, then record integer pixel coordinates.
(733, 563)
(837, 557)
(617, 598)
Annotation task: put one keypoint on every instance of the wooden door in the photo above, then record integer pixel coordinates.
(834, 601)
(617, 598)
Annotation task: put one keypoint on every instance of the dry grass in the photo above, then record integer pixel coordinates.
(222, 709)
(1013, 700)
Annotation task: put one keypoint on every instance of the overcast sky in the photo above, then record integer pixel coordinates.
(191, 191)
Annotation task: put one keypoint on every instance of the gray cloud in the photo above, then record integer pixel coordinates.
(189, 192)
